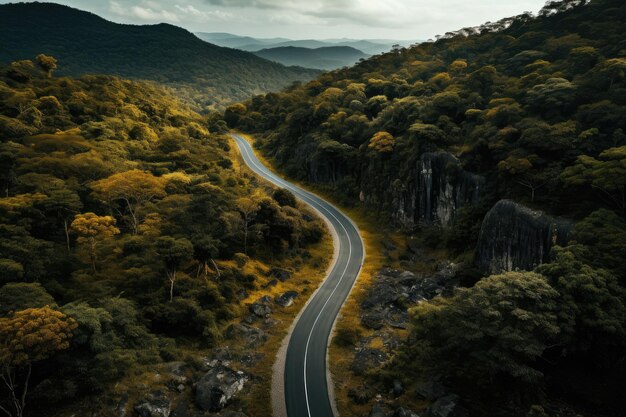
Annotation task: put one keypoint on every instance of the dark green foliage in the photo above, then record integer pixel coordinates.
(534, 105)
(284, 197)
(156, 193)
(17, 296)
(490, 333)
(84, 43)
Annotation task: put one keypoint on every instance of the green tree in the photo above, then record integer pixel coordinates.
(602, 234)
(606, 174)
(490, 333)
(248, 209)
(173, 252)
(64, 204)
(284, 197)
(522, 171)
(132, 189)
(46, 63)
(591, 307)
(10, 271)
(17, 296)
(205, 250)
(27, 337)
(382, 142)
(93, 229)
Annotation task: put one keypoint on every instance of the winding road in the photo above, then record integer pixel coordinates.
(306, 391)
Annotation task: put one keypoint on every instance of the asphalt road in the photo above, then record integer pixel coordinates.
(306, 387)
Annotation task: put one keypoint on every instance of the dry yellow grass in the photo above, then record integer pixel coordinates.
(306, 278)
(340, 358)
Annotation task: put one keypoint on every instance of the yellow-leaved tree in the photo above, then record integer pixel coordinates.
(92, 229)
(382, 142)
(130, 191)
(26, 337)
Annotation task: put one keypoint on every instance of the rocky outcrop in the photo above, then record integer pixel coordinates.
(393, 290)
(366, 359)
(513, 237)
(218, 386)
(280, 274)
(260, 308)
(433, 191)
(286, 299)
(251, 336)
(447, 406)
(156, 404)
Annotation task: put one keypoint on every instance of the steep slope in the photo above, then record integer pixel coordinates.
(85, 43)
(327, 58)
(121, 213)
(432, 138)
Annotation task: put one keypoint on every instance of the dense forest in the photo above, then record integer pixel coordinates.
(124, 230)
(205, 75)
(510, 134)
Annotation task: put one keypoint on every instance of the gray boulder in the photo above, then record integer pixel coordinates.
(433, 192)
(377, 411)
(367, 359)
(513, 237)
(398, 388)
(404, 412)
(252, 336)
(217, 387)
(447, 406)
(286, 299)
(280, 274)
(430, 390)
(374, 320)
(157, 404)
(361, 395)
(260, 309)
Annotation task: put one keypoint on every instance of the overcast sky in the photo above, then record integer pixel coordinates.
(302, 19)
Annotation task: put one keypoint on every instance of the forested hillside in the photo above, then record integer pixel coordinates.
(461, 142)
(202, 73)
(327, 58)
(128, 238)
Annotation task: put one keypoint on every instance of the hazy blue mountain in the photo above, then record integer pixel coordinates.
(328, 58)
(86, 43)
(229, 40)
(251, 44)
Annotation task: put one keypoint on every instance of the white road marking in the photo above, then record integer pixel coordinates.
(245, 149)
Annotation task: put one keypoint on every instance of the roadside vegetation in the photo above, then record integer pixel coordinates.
(535, 107)
(128, 238)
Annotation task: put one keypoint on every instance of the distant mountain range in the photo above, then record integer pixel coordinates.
(247, 43)
(327, 58)
(84, 43)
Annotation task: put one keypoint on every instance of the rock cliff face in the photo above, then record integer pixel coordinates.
(513, 237)
(436, 189)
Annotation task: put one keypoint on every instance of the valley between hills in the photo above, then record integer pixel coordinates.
(214, 225)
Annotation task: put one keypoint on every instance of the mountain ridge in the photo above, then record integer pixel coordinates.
(326, 58)
(85, 43)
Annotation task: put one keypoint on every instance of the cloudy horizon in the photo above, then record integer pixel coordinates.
(306, 19)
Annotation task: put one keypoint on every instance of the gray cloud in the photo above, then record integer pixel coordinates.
(398, 19)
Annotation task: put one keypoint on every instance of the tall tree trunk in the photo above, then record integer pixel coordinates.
(92, 253)
(245, 237)
(172, 277)
(67, 235)
(217, 269)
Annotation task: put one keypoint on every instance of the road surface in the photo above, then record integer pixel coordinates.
(305, 378)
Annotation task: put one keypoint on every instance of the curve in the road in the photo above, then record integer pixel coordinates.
(305, 374)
